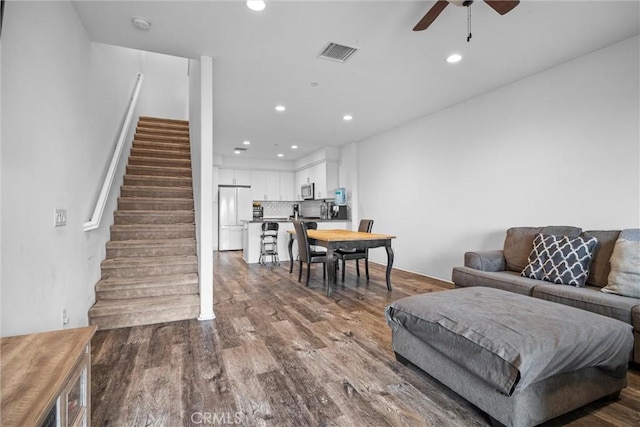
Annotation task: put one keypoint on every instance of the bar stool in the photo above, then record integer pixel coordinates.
(269, 243)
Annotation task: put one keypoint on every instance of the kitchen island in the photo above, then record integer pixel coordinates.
(253, 229)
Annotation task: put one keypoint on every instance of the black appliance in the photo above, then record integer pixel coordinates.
(258, 212)
(296, 211)
(339, 212)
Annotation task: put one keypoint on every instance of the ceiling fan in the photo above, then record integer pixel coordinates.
(500, 6)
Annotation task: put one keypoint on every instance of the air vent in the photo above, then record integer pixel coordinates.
(337, 52)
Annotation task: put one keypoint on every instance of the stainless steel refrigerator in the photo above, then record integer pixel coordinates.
(234, 204)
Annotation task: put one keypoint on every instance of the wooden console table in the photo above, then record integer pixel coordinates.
(46, 378)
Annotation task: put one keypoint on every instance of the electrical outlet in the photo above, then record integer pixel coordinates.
(65, 318)
(59, 217)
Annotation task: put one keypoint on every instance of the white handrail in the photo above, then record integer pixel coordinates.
(94, 222)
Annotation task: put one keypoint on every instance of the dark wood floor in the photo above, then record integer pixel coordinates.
(280, 354)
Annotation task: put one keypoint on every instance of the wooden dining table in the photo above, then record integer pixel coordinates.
(345, 239)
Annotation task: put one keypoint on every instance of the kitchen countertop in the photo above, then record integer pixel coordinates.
(285, 219)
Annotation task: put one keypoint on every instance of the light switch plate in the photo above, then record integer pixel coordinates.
(60, 217)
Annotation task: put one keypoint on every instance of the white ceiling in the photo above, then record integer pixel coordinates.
(262, 59)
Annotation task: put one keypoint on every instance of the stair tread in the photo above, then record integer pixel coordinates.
(148, 281)
(142, 212)
(149, 261)
(143, 243)
(152, 227)
(107, 307)
(162, 159)
(151, 167)
(155, 199)
(184, 189)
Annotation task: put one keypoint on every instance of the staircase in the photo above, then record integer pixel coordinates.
(150, 274)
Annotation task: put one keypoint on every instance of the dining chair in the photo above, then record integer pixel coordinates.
(305, 254)
(365, 226)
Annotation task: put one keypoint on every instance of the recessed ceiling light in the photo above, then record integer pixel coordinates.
(256, 5)
(280, 155)
(452, 59)
(237, 151)
(246, 142)
(280, 108)
(293, 147)
(140, 23)
(347, 117)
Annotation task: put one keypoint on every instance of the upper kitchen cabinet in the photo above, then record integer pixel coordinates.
(323, 175)
(234, 177)
(286, 186)
(272, 185)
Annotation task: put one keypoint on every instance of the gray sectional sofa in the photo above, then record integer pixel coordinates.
(502, 269)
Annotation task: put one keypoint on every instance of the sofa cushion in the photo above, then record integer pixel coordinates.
(624, 278)
(519, 241)
(505, 280)
(600, 267)
(588, 298)
(560, 259)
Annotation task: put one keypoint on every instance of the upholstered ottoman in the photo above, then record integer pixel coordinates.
(519, 359)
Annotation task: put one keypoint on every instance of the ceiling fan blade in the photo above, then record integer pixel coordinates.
(502, 6)
(431, 15)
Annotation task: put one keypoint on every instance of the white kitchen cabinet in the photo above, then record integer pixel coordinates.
(272, 185)
(258, 185)
(324, 176)
(234, 177)
(286, 186)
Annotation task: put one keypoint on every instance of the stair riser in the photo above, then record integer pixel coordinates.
(120, 235)
(142, 271)
(156, 181)
(162, 138)
(150, 251)
(144, 318)
(151, 161)
(161, 193)
(159, 121)
(150, 145)
(158, 171)
(186, 218)
(161, 154)
(162, 130)
(142, 292)
(129, 204)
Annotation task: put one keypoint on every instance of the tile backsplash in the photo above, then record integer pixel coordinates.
(285, 209)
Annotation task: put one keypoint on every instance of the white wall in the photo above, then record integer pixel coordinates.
(63, 102)
(44, 144)
(559, 147)
(166, 86)
(201, 128)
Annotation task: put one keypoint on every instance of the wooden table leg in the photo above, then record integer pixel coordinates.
(389, 265)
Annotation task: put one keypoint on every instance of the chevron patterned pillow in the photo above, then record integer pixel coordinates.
(560, 259)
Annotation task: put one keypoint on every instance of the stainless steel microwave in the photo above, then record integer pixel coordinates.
(307, 192)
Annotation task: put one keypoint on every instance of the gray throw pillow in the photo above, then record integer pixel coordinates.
(560, 259)
(624, 278)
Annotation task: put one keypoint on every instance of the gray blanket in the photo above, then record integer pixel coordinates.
(511, 340)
